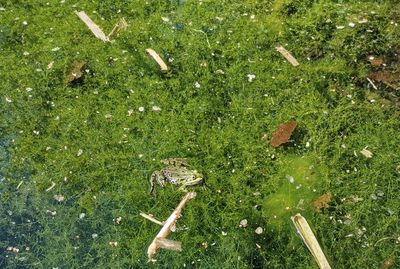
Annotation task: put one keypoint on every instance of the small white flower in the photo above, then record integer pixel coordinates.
(26, 53)
(351, 25)
(259, 230)
(82, 215)
(224, 233)
(251, 77)
(25, 23)
(130, 112)
(79, 153)
(94, 236)
(197, 85)
(28, 89)
(141, 109)
(8, 99)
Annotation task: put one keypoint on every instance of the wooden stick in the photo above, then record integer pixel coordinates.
(309, 239)
(286, 54)
(150, 218)
(166, 229)
(92, 26)
(169, 244)
(157, 58)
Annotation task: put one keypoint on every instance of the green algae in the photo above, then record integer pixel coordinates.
(219, 126)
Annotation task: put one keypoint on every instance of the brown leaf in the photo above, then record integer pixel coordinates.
(322, 202)
(282, 133)
(387, 264)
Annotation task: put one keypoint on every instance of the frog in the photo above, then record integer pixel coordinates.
(177, 171)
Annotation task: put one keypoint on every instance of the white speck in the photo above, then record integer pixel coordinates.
(350, 235)
(224, 233)
(165, 19)
(197, 85)
(340, 27)
(28, 89)
(26, 53)
(55, 49)
(82, 215)
(171, 60)
(290, 178)
(8, 99)
(50, 65)
(59, 198)
(130, 112)
(79, 153)
(298, 187)
(259, 230)
(307, 144)
(140, 155)
(251, 77)
(366, 153)
(156, 108)
(25, 23)
(141, 109)
(351, 25)
(380, 193)
(2, 9)
(252, 17)
(36, 132)
(373, 196)
(113, 244)
(363, 21)
(243, 223)
(94, 236)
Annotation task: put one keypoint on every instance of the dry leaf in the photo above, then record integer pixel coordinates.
(387, 264)
(286, 54)
(75, 72)
(322, 202)
(92, 26)
(282, 134)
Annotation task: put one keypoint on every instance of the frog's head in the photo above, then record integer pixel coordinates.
(156, 178)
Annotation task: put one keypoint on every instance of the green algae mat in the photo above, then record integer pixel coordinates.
(85, 123)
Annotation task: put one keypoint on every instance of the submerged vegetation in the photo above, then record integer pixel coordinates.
(94, 141)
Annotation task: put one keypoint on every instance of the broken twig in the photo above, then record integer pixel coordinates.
(92, 26)
(286, 54)
(309, 239)
(157, 58)
(120, 25)
(150, 218)
(160, 240)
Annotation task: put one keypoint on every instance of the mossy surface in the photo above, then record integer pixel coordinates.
(99, 139)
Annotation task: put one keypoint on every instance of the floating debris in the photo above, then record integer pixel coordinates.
(243, 223)
(119, 26)
(161, 241)
(289, 57)
(51, 187)
(322, 202)
(75, 72)
(204, 245)
(259, 230)
(251, 77)
(157, 58)
(309, 239)
(92, 26)
(82, 215)
(118, 220)
(366, 153)
(156, 108)
(282, 133)
(113, 244)
(387, 264)
(59, 198)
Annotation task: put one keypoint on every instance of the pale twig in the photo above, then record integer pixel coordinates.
(310, 240)
(92, 26)
(372, 83)
(120, 25)
(200, 31)
(150, 218)
(166, 229)
(286, 54)
(157, 58)
(51, 187)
